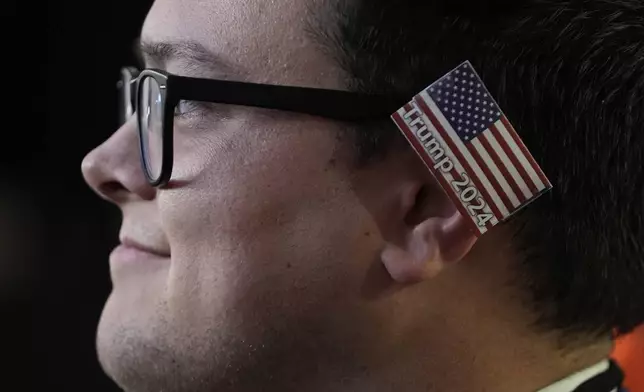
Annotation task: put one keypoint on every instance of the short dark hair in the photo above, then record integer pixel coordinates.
(570, 76)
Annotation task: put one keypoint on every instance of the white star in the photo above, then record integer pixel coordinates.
(452, 118)
(469, 106)
(478, 84)
(482, 126)
(498, 113)
(453, 102)
(460, 121)
(468, 114)
(453, 111)
(485, 95)
(462, 104)
(440, 91)
(458, 72)
(478, 100)
(460, 113)
(491, 104)
(471, 83)
(460, 128)
(467, 138)
(476, 124)
(478, 93)
(476, 116)
(471, 91)
(463, 89)
(431, 89)
(476, 108)
(449, 78)
(446, 108)
(467, 122)
(438, 99)
(456, 79)
(440, 83)
(490, 119)
(469, 99)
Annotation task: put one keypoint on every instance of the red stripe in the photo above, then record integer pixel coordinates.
(515, 161)
(428, 161)
(525, 151)
(499, 163)
(459, 156)
(488, 173)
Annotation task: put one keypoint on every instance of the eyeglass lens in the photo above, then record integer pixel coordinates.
(151, 126)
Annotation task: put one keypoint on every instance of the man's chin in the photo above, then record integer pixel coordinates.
(129, 349)
(136, 361)
(150, 354)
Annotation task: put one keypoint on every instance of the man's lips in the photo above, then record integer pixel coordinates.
(129, 243)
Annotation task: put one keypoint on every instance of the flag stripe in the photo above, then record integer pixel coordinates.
(523, 161)
(495, 171)
(511, 162)
(490, 196)
(397, 117)
(509, 205)
(503, 141)
(533, 164)
(516, 195)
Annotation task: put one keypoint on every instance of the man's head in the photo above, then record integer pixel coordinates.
(294, 252)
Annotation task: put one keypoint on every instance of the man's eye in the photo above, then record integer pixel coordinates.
(189, 110)
(185, 108)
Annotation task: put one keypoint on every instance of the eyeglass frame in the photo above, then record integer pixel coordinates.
(344, 106)
(127, 88)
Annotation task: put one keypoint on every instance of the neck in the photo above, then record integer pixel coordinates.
(511, 368)
(483, 338)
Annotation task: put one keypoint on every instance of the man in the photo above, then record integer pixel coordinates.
(273, 245)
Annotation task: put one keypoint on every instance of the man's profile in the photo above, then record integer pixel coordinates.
(270, 243)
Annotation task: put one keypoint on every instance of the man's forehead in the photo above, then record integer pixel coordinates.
(265, 40)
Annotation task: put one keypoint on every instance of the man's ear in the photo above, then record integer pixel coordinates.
(435, 235)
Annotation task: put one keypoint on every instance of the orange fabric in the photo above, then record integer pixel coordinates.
(629, 353)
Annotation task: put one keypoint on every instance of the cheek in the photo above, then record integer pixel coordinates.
(261, 224)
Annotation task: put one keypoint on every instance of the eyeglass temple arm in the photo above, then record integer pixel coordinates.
(336, 104)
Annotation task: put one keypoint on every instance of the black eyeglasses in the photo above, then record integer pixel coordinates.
(154, 94)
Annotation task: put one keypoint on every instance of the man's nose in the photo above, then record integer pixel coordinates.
(113, 169)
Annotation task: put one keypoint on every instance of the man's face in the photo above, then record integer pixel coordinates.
(263, 246)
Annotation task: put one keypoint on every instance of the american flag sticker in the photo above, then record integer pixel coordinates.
(469, 145)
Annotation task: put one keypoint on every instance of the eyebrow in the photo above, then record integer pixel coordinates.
(193, 53)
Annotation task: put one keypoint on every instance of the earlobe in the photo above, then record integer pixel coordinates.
(429, 246)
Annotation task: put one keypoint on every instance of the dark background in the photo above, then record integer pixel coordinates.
(61, 61)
